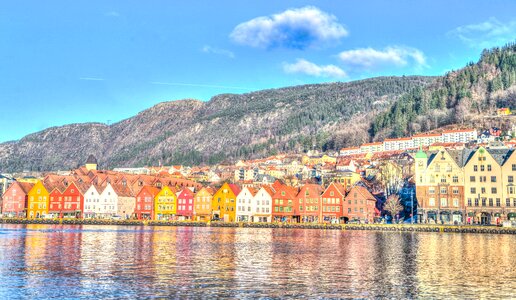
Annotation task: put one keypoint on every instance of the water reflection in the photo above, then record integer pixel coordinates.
(44, 261)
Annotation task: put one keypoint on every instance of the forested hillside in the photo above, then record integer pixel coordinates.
(458, 97)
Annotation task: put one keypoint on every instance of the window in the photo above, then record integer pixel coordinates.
(493, 178)
(493, 190)
(483, 201)
(514, 167)
(489, 168)
(455, 179)
(456, 202)
(482, 168)
(483, 190)
(469, 202)
(455, 191)
(498, 202)
(443, 179)
(510, 178)
(476, 201)
(507, 202)
(444, 202)
(471, 178)
(444, 190)
(475, 168)
(331, 193)
(349, 210)
(490, 201)
(431, 202)
(431, 190)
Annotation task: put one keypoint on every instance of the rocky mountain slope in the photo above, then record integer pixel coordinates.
(228, 126)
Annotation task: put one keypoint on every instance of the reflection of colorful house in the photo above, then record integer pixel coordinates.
(223, 203)
(202, 204)
(145, 202)
(15, 199)
(165, 204)
(38, 201)
(185, 203)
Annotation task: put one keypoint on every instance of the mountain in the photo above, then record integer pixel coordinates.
(228, 126)
(325, 116)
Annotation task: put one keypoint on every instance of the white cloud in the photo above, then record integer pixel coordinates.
(92, 78)
(302, 66)
(294, 28)
(218, 51)
(486, 34)
(370, 58)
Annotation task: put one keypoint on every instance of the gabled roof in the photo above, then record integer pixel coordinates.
(91, 159)
(313, 189)
(122, 190)
(500, 155)
(234, 188)
(268, 189)
(461, 157)
(25, 186)
(362, 191)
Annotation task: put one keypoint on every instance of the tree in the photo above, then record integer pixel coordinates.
(393, 205)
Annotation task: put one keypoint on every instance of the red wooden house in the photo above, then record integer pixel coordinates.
(68, 201)
(55, 197)
(145, 202)
(15, 199)
(284, 203)
(309, 203)
(359, 204)
(332, 199)
(185, 203)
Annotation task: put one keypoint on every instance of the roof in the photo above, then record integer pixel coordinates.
(421, 154)
(500, 155)
(25, 186)
(91, 159)
(234, 188)
(122, 190)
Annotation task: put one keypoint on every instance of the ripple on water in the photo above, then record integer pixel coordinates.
(66, 261)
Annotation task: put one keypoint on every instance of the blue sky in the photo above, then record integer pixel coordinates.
(92, 61)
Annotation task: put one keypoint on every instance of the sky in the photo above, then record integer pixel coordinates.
(103, 61)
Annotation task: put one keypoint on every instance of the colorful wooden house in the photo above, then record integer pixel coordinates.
(223, 203)
(202, 204)
(126, 201)
(284, 204)
(38, 200)
(359, 204)
(262, 205)
(309, 202)
(145, 202)
(332, 199)
(55, 205)
(15, 199)
(244, 204)
(165, 204)
(185, 204)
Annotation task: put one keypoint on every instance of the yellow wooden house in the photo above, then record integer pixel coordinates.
(224, 202)
(38, 201)
(165, 204)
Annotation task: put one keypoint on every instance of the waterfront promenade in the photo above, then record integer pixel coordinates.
(363, 227)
